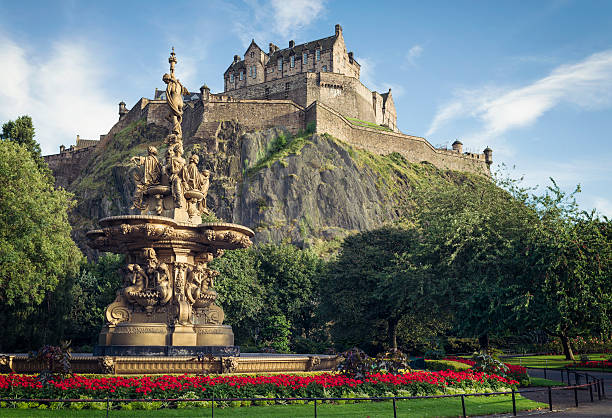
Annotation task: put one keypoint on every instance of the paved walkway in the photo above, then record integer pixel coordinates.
(564, 402)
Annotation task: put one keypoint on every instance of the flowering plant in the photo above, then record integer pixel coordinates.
(237, 386)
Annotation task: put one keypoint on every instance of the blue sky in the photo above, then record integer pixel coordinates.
(530, 79)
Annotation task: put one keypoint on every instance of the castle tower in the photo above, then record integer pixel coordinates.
(488, 153)
(122, 109)
(458, 146)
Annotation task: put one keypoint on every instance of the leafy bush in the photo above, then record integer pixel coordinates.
(356, 363)
(437, 365)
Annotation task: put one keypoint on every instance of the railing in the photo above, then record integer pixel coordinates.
(594, 385)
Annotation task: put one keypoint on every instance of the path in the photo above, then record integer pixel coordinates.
(564, 403)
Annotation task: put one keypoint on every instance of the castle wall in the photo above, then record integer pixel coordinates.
(257, 114)
(345, 94)
(413, 148)
(67, 166)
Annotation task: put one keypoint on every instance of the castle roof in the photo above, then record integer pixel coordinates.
(323, 43)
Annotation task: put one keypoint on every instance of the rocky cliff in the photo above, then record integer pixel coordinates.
(307, 189)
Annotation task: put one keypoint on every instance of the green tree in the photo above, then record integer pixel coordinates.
(86, 296)
(574, 249)
(21, 131)
(376, 281)
(240, 293)
(36, 251)
(475, 237)
(270, 295)
(291, 278)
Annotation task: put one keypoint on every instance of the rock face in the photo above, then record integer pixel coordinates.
(296, 189)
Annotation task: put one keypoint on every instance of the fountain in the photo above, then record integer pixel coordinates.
(167, 304)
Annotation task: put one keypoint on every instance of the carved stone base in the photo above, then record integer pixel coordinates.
(159, 335)
(165, 350)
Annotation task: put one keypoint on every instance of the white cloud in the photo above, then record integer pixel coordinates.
(368, 77)
(292, 15)
(412, 55)
(61, 89)
(603, 206)
(267, 20)
(587, 84)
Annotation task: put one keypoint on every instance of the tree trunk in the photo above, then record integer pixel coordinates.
(392, 333)
(567, 349)
(483, 341)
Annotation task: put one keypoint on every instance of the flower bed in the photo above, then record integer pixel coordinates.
(593, 364)
(281, 386)
(515, 372)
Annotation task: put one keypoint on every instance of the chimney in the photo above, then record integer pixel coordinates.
(122, 110)
(236, 58)
(338, 30)
(350, 54)
(291, 43)
(62, 148)
(273, 48)
(458, 146)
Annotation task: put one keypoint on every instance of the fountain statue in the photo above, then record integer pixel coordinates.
(166, 306)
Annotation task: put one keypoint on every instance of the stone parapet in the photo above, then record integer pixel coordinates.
(413, 148)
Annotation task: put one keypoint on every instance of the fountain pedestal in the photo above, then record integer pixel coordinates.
(167, 304)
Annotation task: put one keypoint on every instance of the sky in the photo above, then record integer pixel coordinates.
(530, 79)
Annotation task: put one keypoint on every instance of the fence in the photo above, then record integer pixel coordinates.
(593, 384)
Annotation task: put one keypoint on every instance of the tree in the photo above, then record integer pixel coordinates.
(270, 295)
(376, 281)
(21, 131)
(574, 249)
(240, 293)
(36, 251)
(474, 236)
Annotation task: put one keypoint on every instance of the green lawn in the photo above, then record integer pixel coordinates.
(409, 408)
(540, 381)
(552, 361)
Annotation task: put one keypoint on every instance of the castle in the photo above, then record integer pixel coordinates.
(314, 86)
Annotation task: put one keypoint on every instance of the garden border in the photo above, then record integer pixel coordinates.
(595, 382)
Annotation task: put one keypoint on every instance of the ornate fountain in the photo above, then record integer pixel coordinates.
(166, 306)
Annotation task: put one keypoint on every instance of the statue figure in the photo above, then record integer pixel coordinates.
(174, 169)
(174, 97)
(162, 283)
(151, 167)
(135, 281)
(194, 180)
(151, 174)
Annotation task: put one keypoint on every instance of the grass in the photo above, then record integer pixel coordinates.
(365, 124)
(409, 408)
(540, 381)
(281, 147)
(554, 361)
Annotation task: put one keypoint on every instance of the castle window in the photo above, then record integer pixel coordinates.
(241, 75)
(305, 58)
(251, 71)
(286, 90)
(318, 54)
(280, 64)
(231, 77)
(267, 93)
(252, 54)
(325, 68)
(254, 71)
(292, 60)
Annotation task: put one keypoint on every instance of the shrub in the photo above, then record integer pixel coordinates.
(437, 365)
